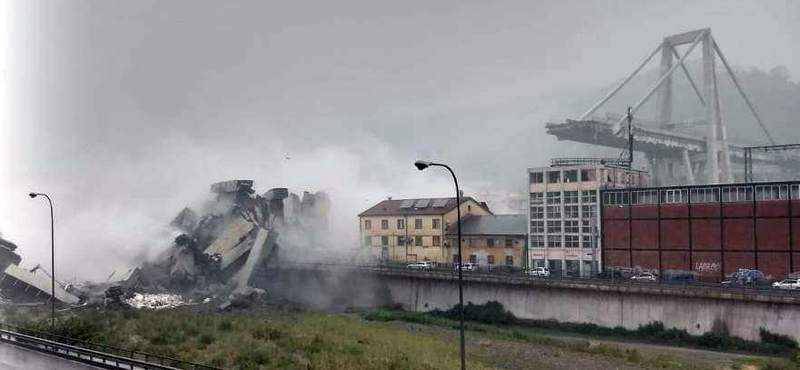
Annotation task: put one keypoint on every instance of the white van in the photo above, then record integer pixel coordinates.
(469, 266)
(539, 271)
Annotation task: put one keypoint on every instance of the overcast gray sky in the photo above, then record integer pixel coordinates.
(126, 111)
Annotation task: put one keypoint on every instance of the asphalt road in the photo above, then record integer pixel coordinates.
(16, 358)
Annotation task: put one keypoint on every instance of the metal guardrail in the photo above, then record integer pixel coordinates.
(510, 277)
(95, 354)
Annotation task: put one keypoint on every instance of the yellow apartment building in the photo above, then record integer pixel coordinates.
(492, 240)
(411, 230)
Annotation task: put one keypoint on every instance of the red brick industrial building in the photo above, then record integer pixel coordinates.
(712, 229)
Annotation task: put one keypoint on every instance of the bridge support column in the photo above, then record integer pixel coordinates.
(718, 160)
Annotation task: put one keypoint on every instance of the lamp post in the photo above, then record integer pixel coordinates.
(52, 263)
(421, 165)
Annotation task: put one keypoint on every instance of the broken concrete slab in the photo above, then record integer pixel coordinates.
(21, 285)
(234, 234)
(127, 277)
(186, 221)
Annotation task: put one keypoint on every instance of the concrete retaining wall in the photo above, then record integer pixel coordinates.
(696, 315)
(695, 311)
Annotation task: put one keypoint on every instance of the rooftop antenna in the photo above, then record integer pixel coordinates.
(628, 162)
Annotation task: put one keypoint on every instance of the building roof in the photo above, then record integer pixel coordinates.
(492, 225)
(422, 206)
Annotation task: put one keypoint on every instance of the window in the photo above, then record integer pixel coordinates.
(490, 243)
(553, 197)
(537, 198)
(436, 223)
(367, 224)
(644, 197)
(554, 241)
(537, 226)
(675, 196)
(401, 240)
(588, 175)
(368, 241)
(384, 240)
(615, 197)
(401, 224)
(553, 211)
(537, 177)
(571, 212)
(509, 243)
(417, 223)
(469, 208)
(537, 212)
(553, 226)
(571, 197)
(455, 258)
(772, 192)
(554, 177)
(589, 196)
(385, 253)
(737, 193)
(570, 226)
(418, 241)
(571, 241)
(704, 195)
(586, 226)
(571, 176)
(587, 242)
(510, 260)
(384, 224)
(588, 211)
(537, 241)
(437, 240)
(490, 259)
(473, 258)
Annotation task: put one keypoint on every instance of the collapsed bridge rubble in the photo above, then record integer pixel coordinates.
(234, 237)
(218, 251)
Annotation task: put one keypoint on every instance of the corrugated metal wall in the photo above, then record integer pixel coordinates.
(714, 236)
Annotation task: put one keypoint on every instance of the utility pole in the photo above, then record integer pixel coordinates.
(630, 138)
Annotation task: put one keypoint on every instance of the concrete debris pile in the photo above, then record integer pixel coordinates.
(155, 301)
(235, 235)
(216, 255)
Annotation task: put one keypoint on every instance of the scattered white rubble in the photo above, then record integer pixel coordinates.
(156, 301)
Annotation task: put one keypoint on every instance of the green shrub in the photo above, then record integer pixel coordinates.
(632, 355)
(491, 312)
(778, 339)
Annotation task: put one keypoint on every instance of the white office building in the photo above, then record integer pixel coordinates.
(563, 215)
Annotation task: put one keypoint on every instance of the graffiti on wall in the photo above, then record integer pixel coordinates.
(707, 267)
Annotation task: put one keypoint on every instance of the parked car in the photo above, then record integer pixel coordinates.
(644, 277)
(420, 266)
(745, 277)
(469, 266)
(787, 284)
(539, 271)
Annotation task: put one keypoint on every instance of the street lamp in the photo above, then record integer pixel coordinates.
(52, 263)
(421, 165)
